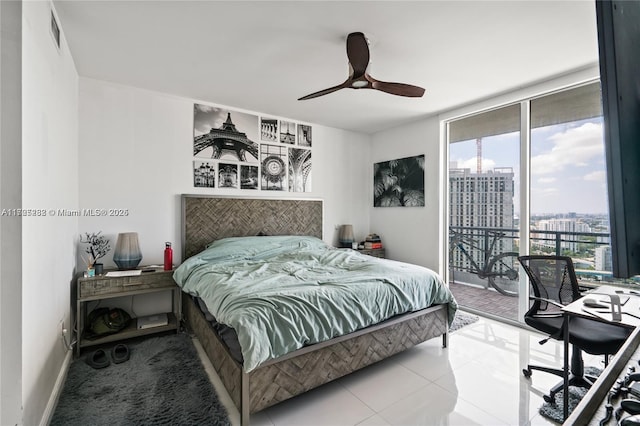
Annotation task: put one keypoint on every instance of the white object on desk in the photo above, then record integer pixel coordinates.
(623, 298)
(616, 307)
(593, 303)
(131, 273)
(630, 307)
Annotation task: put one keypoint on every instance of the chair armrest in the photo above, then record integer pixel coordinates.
(542, 299)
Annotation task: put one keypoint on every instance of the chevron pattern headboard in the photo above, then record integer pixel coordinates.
(209, 218)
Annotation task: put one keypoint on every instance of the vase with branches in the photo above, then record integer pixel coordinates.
(97, 247)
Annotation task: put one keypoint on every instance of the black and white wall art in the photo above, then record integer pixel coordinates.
(223, 134)
(299, 170)
(248, 177)
(287, 132)
(228, 175)
(204, 174)
(304, 135)
(399, 183)
(236, 150)
(269, 129)
(273, 159)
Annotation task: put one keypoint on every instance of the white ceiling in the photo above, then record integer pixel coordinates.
(264, 55)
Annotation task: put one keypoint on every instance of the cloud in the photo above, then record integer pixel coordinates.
(545, 191)
(204, 108)
(547, 180)
(574, 147)
(206, 117)
(471, 163)
(597, 176)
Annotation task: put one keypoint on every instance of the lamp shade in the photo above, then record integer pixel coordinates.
(346, 238)
(127, 253)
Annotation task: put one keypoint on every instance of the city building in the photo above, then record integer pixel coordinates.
(566, 227)
(477, 201)
(603, 259)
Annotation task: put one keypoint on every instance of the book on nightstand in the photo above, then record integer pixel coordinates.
(372, 246)
(150, 321)
(372, 242)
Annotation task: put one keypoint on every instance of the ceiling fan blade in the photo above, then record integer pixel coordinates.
(358, 53)
(399, 89)
(325, 91)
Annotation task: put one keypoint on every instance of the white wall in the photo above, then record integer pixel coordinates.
(49, 181)
(136, 153)
(10, 227)
(410, 234)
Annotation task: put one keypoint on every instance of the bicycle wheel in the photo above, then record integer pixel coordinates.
(503, 273)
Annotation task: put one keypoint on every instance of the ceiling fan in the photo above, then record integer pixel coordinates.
(359, 78)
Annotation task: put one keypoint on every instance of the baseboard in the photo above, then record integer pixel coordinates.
(57, 390)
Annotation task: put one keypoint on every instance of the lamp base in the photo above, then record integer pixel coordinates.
(124, 264)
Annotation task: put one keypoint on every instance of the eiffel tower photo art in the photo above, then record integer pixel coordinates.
(221, 134)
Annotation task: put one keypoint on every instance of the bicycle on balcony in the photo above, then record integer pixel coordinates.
(500, 270)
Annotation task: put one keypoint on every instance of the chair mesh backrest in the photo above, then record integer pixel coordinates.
(551, 277)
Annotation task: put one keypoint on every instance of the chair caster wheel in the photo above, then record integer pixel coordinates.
(549, 399)
(526, 372)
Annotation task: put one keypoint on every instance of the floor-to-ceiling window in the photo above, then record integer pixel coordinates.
(484, 156)
(567, 195)
(569, 208)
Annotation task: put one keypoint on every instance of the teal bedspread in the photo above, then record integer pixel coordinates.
(283, 293)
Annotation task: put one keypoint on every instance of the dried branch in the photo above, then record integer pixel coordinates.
(97, 246)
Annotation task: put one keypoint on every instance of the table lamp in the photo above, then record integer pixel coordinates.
(127, 254)
(346, 238)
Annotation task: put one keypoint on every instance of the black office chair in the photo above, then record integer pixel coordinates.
(553, 285)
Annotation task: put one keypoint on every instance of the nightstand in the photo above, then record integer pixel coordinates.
(373, 252)
(103, 287)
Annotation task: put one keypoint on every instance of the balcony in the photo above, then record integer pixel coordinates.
(484, 270)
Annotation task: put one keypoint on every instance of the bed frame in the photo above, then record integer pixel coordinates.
(207, 218)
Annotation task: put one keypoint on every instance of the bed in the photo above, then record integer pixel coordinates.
(256, 383)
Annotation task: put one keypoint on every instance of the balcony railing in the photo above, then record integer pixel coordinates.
(473, 249)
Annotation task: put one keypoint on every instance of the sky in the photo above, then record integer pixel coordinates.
(567, 165)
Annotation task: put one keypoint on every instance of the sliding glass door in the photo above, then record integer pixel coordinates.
(484, 156)
(558, 139)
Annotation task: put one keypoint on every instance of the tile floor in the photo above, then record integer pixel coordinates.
(477, 380)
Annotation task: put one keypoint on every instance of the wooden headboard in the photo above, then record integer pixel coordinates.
(209, 218)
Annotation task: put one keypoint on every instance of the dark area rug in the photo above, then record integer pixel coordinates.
(163, 383)
(554, 412)
(461, 319)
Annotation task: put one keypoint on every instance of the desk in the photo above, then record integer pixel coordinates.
(630, 319)
(632, 306)
(592, 408)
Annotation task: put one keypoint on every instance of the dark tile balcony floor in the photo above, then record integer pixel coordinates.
(485, 300)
